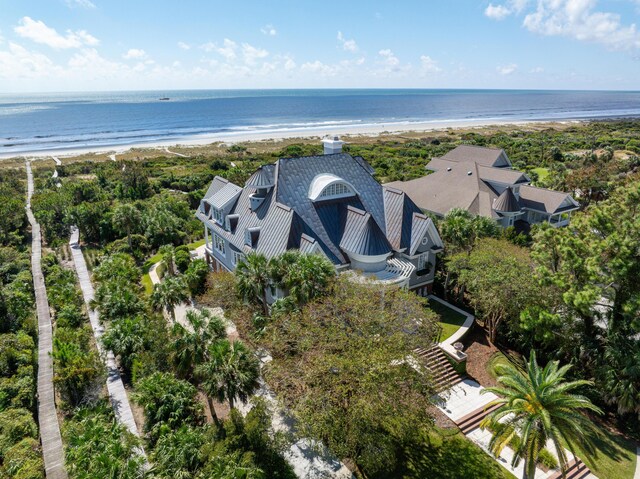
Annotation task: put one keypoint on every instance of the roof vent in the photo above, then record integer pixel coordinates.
(469, 173)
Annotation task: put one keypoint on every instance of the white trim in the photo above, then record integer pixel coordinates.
(321, 182)
(216, 241)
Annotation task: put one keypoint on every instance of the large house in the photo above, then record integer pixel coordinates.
(328, 204)
(482, 181)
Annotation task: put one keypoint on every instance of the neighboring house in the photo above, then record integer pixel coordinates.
(481, 181)
(328, 204)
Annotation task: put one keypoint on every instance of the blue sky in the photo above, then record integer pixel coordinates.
(82, 45)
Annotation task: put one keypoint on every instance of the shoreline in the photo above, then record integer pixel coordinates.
(346, 131)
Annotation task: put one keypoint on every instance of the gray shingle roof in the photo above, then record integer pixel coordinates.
(506, 202)
(479, 154)
(463, 178)
(550, 201)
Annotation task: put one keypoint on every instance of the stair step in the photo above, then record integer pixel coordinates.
(576, 470)
(472, 421)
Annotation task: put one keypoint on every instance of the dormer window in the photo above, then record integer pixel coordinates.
(336, 189)
(217, 215)
(327, 186)
(251, 236)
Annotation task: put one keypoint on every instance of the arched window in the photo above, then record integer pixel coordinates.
(327, 186)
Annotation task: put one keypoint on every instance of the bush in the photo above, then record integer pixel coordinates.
(15, 425)
(182, 259)
(23, 460)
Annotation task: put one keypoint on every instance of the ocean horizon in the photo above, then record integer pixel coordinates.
(41, 122)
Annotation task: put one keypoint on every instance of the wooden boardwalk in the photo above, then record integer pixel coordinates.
(52, 450)
(115, 387)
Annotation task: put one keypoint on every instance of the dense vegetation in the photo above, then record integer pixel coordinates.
(571, 295)
(20, 455)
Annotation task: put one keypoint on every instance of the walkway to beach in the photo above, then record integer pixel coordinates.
(52, 450)
(115, 387)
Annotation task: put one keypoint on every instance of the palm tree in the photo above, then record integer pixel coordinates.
(168, 294)
(168, 252)
(253, 279)
(126, 218)
(308, 277)
(232, 371)
(192, 342)
(539, 405)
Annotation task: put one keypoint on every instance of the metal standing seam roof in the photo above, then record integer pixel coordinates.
(215, 185)
(262, 178)
(362, 235)
(224, 195)
(289, 219)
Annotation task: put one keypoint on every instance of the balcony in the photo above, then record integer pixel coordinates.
(397, 272)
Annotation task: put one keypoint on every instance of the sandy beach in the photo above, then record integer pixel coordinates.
(345, 131)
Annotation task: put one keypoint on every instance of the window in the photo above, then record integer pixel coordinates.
(423, 261)
(336, 189)
(218, 244)
(425, 241)
(237, 257)
(217, 215)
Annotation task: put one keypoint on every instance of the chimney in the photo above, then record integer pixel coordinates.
(332, 145)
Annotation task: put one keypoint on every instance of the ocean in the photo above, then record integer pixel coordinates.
(65, 121)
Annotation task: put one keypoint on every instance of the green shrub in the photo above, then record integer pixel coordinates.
(23, 460)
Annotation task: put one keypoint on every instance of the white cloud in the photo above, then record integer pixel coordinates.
(347, 45)
(269, 30)
(497, 12)
(429, 65)
(80, 3)
(1, 38)
(289, 63)
(388, 58)
(184, 46)
(537, 70)
(507, 69)
(37, 31)
(251, 54)
(134, 54)
(319, 68)
(18, 62)
(227, 50)
(500, 12)
(579, 20)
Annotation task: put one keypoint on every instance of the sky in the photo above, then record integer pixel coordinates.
(98, 45)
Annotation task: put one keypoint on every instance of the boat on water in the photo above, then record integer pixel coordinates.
(165, 98)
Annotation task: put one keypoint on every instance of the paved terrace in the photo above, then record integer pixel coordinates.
(52, 450)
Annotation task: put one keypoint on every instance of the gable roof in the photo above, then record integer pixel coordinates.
(549, 201)
(495, 157)
(460, 180)
(224, 195)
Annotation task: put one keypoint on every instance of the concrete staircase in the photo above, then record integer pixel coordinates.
(439, 366)
(576, 470)
(472, 420)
